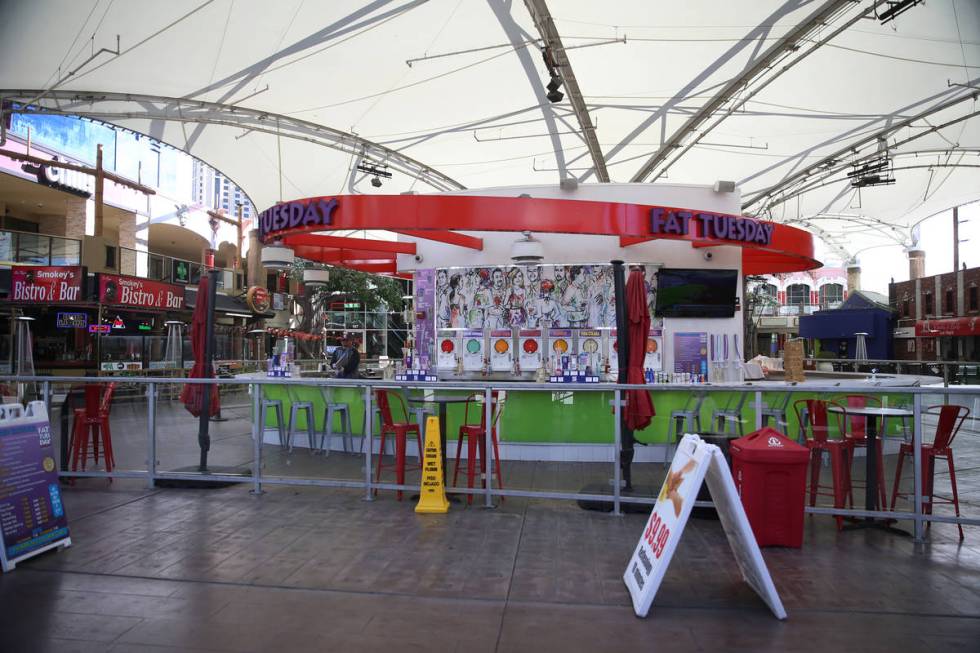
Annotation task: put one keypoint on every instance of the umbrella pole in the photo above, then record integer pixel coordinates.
(622, 331)
(203, 436)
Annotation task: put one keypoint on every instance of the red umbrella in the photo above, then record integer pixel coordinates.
(639, 406)
(192, 394)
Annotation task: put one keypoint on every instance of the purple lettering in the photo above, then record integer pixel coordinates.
(750, 228)
(310, 216)
(295, 214)
(656, 220)
(685, 217)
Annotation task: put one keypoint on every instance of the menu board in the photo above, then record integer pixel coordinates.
(529, 349)
(425, 298)
(501, 350)
(691, 353)
(32, 516)
(473, 351)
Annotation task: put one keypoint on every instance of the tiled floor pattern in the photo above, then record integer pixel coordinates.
(313, 569)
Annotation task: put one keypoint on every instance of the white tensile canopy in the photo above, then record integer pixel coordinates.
(811, 107)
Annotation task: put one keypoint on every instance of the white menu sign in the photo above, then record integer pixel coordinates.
(693, 463)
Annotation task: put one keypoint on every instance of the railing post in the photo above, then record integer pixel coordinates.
(617, 450)
(368, 443)
(258, 438)
(919, 530)
(151, 435)
(758, 410)
(488, 446)
(46, 397)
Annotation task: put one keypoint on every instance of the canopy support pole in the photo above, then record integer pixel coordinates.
(622, 335)
(203, 435)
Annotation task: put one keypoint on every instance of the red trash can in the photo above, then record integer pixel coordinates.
(770, 474)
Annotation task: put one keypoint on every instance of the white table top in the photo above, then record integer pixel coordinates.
(871, 410)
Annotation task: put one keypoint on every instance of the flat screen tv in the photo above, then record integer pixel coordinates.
(696, 293)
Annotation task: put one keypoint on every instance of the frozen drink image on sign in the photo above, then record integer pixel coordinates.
(447, 350)
(530, 350)
(501, 354)
(473, 351)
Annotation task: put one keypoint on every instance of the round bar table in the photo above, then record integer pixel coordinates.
(872, 413)
(443, 401)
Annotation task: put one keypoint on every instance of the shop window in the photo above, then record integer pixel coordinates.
(797, 293)
(910, 347)
(110, 257)
(906, 310)
(948, 307)
(831, 294)
(973, 298)
(927, 304)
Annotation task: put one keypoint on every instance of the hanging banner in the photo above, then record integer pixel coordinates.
(694, 462)
(142, 293)
(36, 284)
(529, 350)
(501, 350)
(32, 516)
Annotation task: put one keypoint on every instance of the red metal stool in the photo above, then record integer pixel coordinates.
(951, 418)
(475, 436)
(857, 435)
(817, 440)
(91, 424)
(400, 431)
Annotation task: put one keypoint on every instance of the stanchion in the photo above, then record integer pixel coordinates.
(258, 435)
(488, 458)
(151, 435)
(368, 443)
(918, 531)
(617, 460)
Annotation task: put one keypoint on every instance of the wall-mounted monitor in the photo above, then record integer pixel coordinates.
(696, 293)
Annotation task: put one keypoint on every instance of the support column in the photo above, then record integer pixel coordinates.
(127, 244)
(853, 277)
(917, 263)
(255, 272)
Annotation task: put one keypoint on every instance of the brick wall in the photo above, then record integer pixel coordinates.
(898, 294)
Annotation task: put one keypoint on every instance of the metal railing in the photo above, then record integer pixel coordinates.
(170, 269)
(152, 474)
(38, 249)
(952, 372)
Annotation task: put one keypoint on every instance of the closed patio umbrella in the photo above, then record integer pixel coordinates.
(197, 397)
(639, 407)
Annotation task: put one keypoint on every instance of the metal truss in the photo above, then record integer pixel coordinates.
(112, 107)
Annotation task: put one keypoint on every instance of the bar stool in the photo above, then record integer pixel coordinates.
(951, 418)
(686, 419)
(777, 412)
(817, 440)
(475, 436)
(342, 410)
(400, 431)
(276, 406)
(296, 407)
(728, 419)
(91, 424)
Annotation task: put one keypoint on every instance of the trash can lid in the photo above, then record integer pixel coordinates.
(768, 445)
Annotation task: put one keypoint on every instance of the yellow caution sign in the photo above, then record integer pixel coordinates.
(432, 494)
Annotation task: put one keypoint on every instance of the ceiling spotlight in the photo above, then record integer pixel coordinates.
(376, 182)
(555, 96)
(555, 82)
(895, 9)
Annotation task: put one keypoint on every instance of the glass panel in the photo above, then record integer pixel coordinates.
(7, 246)
(65, 251)
(32, 249)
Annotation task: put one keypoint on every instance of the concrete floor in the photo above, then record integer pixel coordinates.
(322, 570)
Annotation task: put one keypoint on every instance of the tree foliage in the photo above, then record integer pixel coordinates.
(374, 291)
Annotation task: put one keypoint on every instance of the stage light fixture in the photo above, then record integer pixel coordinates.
(555, 82)
(895, 9)
(555, 96)
(376, 182)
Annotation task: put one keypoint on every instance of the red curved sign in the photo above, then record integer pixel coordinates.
(768, 247)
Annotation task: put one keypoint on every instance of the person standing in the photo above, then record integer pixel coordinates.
(348, 360)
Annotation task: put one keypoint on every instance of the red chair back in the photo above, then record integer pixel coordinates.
(950, 419)
(858, 423)
(815, 423)
(106, 404)
(384, 406)
(474, 399)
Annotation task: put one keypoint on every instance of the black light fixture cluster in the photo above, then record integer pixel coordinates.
(377, 169)
(876, 172)
(554, 95)
(895, 9)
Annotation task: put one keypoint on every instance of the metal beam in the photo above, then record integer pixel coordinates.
(106, 107)
(552, 40)
(788, 43)
(852, 148)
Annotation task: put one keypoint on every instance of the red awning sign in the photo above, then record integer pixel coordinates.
(46, 284)
(133, 291)
(954, 326)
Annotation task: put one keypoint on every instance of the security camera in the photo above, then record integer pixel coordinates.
(418, 258)
(708, 256)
